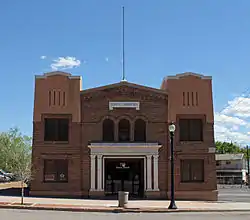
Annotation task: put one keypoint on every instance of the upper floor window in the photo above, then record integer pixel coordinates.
(140, 131)
(124, 130)
(191, 129)
(108, 130)
(56, 129)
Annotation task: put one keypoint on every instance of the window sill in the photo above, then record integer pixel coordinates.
(191, 142)
(55, 181)
(185, 182)
(56, 142)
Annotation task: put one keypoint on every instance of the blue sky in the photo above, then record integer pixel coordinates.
(162, 38)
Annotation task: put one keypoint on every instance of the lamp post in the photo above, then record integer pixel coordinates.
(248, 168)
(171, 129)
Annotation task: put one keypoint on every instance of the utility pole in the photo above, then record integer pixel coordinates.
(248, 168)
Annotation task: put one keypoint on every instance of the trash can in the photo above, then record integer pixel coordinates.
(123, 199)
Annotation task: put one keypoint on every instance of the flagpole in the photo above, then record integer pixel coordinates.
(123, 46)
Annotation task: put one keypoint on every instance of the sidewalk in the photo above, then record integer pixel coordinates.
(112, 205)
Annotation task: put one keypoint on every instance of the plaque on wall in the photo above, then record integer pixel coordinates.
(122, 166)
(50, 177)
(211, 150)
(113, 105)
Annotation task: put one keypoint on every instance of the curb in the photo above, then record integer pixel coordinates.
(117, 210)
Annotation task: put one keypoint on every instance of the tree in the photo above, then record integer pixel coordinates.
(15, 155)
(230, 148)
(227, 148)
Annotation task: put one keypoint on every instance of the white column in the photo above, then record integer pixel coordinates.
(149, 172)
(145, 173)
(99, 172)
(92, 170)
(156, 176)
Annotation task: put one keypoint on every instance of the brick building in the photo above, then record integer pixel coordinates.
(95, 142)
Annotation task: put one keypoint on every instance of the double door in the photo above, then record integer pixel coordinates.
(124, 175)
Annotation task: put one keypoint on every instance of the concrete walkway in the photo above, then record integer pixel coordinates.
(112, 205)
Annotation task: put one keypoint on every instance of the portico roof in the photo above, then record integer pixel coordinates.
(124, 148)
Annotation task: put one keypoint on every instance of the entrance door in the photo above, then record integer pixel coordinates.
(124, 175)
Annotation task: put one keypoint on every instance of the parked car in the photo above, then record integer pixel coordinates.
(27, 182)
(11, 176)
(4, 178)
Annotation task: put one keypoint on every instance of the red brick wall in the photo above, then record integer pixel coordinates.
(153, 109)
(178, 88)
(90, 107)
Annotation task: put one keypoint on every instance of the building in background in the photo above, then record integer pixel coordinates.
(231, 168)
(96, 142)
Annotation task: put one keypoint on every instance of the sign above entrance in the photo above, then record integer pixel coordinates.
(135, 105)
(122, 166)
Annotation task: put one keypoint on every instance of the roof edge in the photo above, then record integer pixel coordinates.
(180, 75)
(228, 156)
(55, 73)
(126, 83)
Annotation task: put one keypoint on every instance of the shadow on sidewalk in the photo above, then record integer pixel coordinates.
(14, 192)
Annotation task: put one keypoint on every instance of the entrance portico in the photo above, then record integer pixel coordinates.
(124, 174)
(101, 152)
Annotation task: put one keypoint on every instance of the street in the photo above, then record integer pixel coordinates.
(41, 215)
(234, 194)
(230, 198)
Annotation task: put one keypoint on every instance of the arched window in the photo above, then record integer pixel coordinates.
(140, 131)
(124, 130)
(108, 130)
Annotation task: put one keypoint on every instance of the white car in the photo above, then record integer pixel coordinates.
(4, 178)
(10, 175)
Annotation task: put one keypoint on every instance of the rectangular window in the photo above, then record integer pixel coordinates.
(191, 129)
(56, 129)
(55, 170)
(192, 170)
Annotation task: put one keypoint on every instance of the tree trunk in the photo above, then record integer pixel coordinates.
(22, 192)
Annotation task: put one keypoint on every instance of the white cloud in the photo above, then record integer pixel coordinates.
(43, 57)
(233, 124)
(107, 59)
(239, 106)
(235, 128)
(65, 63)
(229, 120)
(225, 134)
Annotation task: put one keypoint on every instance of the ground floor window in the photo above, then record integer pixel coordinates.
(192, 170)
(56, 170)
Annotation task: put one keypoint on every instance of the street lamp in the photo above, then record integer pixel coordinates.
(171, 129)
